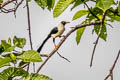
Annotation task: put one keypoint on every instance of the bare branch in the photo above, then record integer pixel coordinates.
(4, 10)
(96, 42)
(112, 68)
(29, 29)
(44, 55)
(17, 5)
(64, 38)
(63, 57)
(5, 3)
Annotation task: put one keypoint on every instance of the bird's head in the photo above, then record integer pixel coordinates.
(65, 22)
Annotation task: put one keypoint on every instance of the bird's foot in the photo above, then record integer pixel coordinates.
(62, 36)
(56, 47)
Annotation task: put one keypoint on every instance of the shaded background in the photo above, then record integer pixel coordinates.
(42, 22)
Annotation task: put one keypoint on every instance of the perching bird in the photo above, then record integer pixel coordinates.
(55, 32)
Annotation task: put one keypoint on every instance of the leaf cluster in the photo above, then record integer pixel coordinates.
(11, 56)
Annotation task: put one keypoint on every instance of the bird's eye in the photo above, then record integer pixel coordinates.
(63, 22)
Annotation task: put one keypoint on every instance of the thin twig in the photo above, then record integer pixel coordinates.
(44, 55)
(5, 3)
(29, 29)
(4, 10)
(64, 38)
(115, 13)
(91, 11)
(96, 42)
(110, 25)
(112, 68)
(93, 53)
(17, 5)
(63, 57)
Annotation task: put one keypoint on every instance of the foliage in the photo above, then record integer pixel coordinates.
(14, 57)
(61, 6)
(11, 72)
(80, 14)
(36, 77)
(1, 1)
(79, 34)
(5, 61)
(30, 56)
(104, 4)
(45, 3)
(19, 42)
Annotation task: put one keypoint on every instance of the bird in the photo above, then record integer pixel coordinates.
(55, 32)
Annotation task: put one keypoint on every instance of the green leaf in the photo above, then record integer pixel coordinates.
(104, 4)
(5, 61)
(40, 77)
(113, 16)
(8, 73)
(46, 3)
(96, 12)
(20, 72)
(22, 64)
(79, 34)
(36, 76)
(42, 3)
(77, 3)
(61, 6)
(29, 0)
(103, 33)
(13, 57)
(19, 42)
(9, 41)
(50, 4)
(1, 1)
(1, 49)
(30, 56)
(119, 7)
(79, 14)
(7, 47)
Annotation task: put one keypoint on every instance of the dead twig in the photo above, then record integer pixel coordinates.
(112, 68)
(17, 5)
(96, 42)
(4, 10)
(63, 57)
(29, 30)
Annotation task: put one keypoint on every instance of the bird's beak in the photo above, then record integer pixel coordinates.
(67, 22)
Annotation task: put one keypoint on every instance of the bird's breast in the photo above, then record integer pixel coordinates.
(59, 33)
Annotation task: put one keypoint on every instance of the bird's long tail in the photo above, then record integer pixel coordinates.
(40, 48)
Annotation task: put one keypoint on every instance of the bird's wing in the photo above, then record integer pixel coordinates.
(54, 30)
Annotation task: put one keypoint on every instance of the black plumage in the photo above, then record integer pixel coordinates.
(53, 31)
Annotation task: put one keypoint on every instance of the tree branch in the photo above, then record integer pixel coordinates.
(63, 57)
(4, 10)
(91, 11)
(96, 42)
(44, 55)
(17, 7)
(64, 38)
(111, 69)
(29, 29)
(5, 3)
